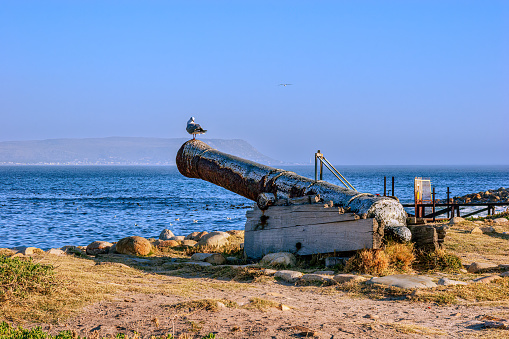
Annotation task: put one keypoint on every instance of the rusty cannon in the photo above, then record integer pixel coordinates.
(267, 185)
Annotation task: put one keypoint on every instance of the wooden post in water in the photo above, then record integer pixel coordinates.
(448, 202)
(433, 203)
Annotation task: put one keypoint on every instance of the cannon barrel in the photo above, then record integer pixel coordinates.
(196, 159)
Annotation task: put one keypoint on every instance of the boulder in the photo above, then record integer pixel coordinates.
(55, 251)
(324, 272)
(280, 258)
(317, 278)
(343, 278)
(488, 279)
(28, 250)
(449, 282)
(166, 234)
(215, 239)
(488, 229)
(288, 276)
(478, 267)
(501, 221)
(476, 230)
(456, 220)
(189, 243)
(196, 236)
(178, 238)
(98, 247)
(134, 246)
(216, 259)
(403, 281)
(168, 243)
(200, 256)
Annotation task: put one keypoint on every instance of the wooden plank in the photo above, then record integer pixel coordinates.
(281, 218)
(313, 238)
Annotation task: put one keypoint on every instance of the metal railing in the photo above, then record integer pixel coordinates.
(320, 158)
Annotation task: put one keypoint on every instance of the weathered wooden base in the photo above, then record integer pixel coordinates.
(308, 229)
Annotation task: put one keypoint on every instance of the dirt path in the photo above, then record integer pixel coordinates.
(312, 313)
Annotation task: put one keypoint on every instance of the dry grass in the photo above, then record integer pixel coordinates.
(394, 257)
(211, 305)
(439, 260)
(469, 247)
(368, 261)
(413, 329)
(261, 304)
(79, 281)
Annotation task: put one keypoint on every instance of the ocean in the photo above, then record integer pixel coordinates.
(54, 206)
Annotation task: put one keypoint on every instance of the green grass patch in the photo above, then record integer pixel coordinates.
(21, 277)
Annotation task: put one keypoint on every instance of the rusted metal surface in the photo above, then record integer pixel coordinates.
(196, 159)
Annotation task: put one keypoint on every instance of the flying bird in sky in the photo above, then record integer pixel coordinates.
(284, 85)
(193, 128)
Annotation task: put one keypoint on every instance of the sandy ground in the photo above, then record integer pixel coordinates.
(312, 313)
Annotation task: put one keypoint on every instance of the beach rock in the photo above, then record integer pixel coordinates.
(178, 238)
(55, 251)
(288, 276)
(502, 221)
(236, 233)
(503, 267)
(403, 281)
(28, 250)
(478, 267)
(324, 272)
(216, 259)
(167, 243)
(476, 230)
(166, 234)
(196, 236)
(98, 247)
(343, 278)
(189, 243)
(215, 239)
(283, 307)
(280, 258)
(134, 246)
(113, 249)
(316, 278)
(449, 282)
(488, 229)
(456, 220)
(200, 256)
(268, 271)
(488, 279)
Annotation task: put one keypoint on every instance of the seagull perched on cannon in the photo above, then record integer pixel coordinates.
(193, 128)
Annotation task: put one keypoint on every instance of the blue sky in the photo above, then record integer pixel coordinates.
(373, 82)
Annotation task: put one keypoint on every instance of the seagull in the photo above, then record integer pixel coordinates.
(193, 128)
(284, 85)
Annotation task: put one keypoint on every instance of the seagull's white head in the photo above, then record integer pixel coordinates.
(191, 120)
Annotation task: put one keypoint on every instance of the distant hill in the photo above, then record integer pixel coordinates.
(115, 151)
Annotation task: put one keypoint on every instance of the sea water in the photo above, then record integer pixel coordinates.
(53, 206)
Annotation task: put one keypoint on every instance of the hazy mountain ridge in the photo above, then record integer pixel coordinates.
(115, 151)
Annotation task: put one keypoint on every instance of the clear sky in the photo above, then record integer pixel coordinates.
(373, 82)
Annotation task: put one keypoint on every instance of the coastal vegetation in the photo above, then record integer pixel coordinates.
(42, 288)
